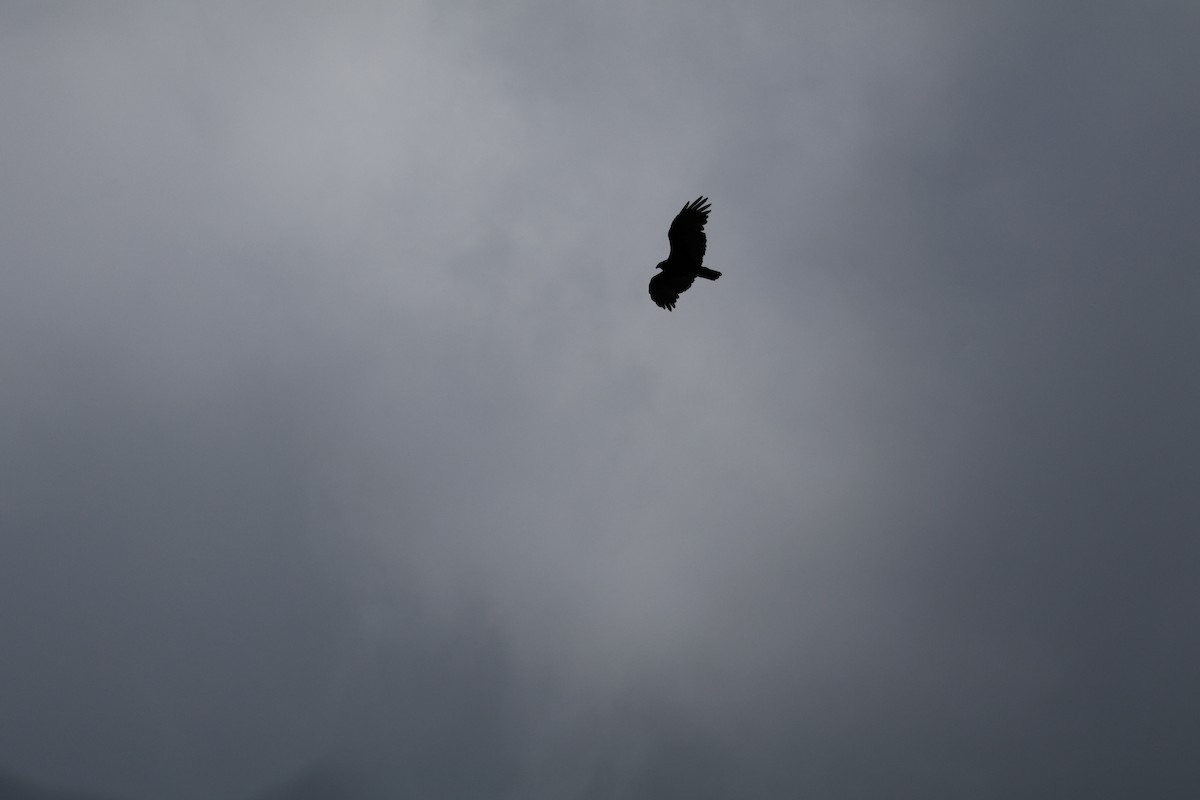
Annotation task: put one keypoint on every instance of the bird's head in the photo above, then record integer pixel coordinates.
(660, 265)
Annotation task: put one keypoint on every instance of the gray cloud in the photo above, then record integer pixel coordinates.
(339, 432)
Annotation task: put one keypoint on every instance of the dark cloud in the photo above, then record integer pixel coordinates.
(344, 452)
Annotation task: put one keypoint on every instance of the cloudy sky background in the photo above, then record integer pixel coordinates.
(338, 431)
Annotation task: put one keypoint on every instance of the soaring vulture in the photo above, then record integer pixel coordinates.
(683, 265)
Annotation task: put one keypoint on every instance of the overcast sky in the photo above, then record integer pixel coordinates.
(339, 435)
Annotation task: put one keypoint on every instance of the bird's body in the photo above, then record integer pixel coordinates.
(685, 263)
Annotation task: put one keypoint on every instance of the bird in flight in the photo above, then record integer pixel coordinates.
(687, 251)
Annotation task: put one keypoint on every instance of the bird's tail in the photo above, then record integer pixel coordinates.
(711, 274)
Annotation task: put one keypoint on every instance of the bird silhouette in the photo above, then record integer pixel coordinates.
(683, 265)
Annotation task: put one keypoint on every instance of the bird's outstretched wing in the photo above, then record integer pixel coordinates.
(665, 287)
(686, 234)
